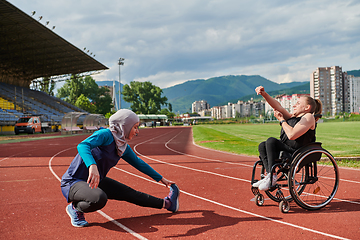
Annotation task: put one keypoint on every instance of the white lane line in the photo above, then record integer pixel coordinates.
(180, 166)
(344, 180)
(121, 226)
(239, 210)
(138, 236)
(193, 169)
(208, 159)
(50, 161)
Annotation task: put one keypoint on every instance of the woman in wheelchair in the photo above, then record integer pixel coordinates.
(297, 130)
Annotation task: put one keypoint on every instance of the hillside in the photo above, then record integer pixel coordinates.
(219, 90)
(355, 73)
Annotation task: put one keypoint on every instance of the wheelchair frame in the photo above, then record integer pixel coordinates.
(310, 184)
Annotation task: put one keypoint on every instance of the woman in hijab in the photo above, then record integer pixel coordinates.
(85, 185)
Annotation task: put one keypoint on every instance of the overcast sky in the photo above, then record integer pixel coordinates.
(168, 42)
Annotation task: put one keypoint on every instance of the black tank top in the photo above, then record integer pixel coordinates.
(306, 138)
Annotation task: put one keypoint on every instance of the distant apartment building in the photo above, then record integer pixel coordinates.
(239, 109)
(227, 112)
(329, 84)
(199, 106)
(286, 101)
(216, 112)
(205, 113)
(354, 94)
(346, 93)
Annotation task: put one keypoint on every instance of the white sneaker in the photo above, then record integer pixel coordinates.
(257, 184)
(264, 186)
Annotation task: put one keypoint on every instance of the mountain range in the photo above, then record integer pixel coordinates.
(219, 91)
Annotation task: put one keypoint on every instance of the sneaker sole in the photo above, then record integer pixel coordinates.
(177, 200)
(177, 205)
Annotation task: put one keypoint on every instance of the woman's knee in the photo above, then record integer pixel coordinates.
(262, 147)
(271, 141)
(99, 200)
(96, 201)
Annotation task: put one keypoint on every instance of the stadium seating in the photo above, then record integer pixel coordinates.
(15, 101)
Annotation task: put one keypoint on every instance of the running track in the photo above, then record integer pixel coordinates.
(215, 202)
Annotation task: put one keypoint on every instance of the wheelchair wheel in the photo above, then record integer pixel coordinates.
(313, 179)
(259, 199)
(284, 206)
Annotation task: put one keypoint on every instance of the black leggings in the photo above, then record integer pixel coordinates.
(269, 151)
(86, 199)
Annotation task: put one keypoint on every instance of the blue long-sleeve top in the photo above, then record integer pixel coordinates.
(100, 149)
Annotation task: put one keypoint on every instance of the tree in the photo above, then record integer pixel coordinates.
(77, 86)
(85, 104)
(108, 115)
(144, 97)
(100, 97)
(168, 113)
(91, 88)
(71, 90)
(103, 101)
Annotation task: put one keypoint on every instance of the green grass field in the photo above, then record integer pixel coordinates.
(341, 139)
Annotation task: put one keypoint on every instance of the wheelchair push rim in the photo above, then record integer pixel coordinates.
(319, 180)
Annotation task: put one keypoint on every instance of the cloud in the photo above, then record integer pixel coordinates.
(167, 42)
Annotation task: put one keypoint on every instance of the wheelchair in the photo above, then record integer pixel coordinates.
(309, 176)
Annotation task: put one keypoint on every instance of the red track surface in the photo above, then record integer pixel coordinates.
(215, 202)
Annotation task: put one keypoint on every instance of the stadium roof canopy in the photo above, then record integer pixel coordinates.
(30, 50)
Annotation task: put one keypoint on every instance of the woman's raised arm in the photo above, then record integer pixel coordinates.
(272, 102)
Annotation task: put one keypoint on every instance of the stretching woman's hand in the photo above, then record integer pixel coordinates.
(94, 176)
(166, 182)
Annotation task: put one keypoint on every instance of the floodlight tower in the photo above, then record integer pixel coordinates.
(121, 62)
(114, 95)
